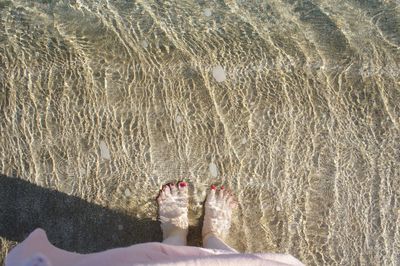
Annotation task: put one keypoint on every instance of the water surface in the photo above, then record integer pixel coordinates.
(294, 105)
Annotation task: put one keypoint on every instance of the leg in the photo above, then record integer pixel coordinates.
(173, 209)
(217, 219)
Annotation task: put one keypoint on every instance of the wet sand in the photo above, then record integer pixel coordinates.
(295, 106)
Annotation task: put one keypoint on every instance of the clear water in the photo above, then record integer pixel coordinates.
(294, 105)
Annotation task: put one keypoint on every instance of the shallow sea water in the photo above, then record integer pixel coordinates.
(293, 105)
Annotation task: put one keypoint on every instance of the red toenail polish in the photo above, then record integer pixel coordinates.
(182, 184)
(213, 187)
(222, 187)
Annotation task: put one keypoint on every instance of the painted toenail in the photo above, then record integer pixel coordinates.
(213, 187)
(222, 187)
(182, 184)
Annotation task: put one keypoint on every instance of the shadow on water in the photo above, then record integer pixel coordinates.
(70, 222)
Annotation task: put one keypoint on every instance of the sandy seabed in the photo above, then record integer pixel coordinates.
(293, 105)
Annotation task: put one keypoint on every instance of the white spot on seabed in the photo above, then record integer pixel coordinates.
(213, 169)
(218, 73)
(145, 44)
(127, 192)
(82, 171)
(154, 180)
(178, 119)
(104, 151)
(207, 12)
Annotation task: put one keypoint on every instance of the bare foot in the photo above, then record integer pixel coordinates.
(218, 212)
(173, 212)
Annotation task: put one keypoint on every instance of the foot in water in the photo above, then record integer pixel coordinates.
(218, 213)
(173, 212)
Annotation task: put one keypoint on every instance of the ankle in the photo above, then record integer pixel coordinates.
(175, 232)
(175, 239)
(209, 234)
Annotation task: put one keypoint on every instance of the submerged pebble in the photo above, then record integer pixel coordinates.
(178, 119)
(219, 73)
(145, 44)
(207, 12)
(127, 192)
(82, 171)
(213, 169)
(104, 151)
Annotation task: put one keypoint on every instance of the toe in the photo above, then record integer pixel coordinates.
(230, 199)
(182, 187)
(221, 192)
(211, 194)
(166, 190)
(182, 184)
(174, 189)
(161, 195)
(227, 194)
